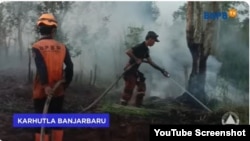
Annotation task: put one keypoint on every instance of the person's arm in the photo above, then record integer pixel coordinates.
(41, 70)
(41, 67)
(130, 53)
(154, 65)
(68, 69)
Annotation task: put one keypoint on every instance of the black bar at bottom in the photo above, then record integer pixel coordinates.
(160, 132)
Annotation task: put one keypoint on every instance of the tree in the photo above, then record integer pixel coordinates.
(134, 36)
(17, 17)
(200, 40)
(235, 45)
(3, 33)
(180, 13)
(222, 47)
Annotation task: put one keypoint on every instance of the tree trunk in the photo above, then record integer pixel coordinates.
(3, 43)
(199, 41)
(5, 47)
(194, 37)
(95, 73)
(29, 67)
(90, 79)
(20, 40)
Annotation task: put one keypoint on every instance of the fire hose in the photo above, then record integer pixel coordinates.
(113, 84)
(46, 106)
(197, 100)
(107, 90)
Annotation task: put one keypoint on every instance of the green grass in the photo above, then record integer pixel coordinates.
(121, 110)
(175, 115)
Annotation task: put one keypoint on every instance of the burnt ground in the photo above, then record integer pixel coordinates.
(127, 123)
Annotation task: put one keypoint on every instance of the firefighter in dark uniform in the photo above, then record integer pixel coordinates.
(133, 77)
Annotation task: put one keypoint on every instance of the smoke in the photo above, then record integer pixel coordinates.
(99, 34)
(227, 78)
(96, 33)
(98, 29)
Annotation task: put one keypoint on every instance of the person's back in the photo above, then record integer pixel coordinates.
(50, 57)
(53, 54)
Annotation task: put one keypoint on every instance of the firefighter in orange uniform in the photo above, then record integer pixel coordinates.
(50, 57)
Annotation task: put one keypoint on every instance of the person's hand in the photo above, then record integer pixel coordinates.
(138, 61)
(165, 73)
(48, 90)
(145, 61)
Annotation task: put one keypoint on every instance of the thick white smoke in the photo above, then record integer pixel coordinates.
(99, 33)
(98, 30)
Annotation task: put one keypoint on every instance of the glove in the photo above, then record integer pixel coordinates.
(48, 90)
(165, 73)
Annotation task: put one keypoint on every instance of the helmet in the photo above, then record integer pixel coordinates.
(47, 20)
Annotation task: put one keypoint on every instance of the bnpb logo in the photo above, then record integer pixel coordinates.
(232, 13)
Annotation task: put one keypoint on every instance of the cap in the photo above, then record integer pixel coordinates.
(153, 35)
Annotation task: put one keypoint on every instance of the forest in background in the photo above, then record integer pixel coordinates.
(97, 41)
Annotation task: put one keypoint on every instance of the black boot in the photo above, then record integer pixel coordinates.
(123, 102)
(139, 99)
